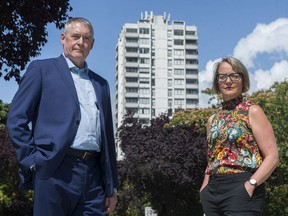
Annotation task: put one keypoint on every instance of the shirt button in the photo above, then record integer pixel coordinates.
(77, 122)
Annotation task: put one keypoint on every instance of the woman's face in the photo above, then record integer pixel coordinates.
(229, 81)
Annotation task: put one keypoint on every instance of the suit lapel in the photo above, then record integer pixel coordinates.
(67, 77)
(98, 90)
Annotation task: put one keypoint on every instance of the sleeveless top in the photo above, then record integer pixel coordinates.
(232, 147)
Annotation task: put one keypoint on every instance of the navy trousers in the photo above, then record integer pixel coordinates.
(76, 189)
(225, 195)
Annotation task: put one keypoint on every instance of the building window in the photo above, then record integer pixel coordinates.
(153, 102)
(178, 42)
(178, 61)
(170, 103)
(178, 22)
(169, 62)
(144, 80)
(179, 81)
(144, 60)
(169, 33)
(131, 100)
(169, 72)
(191, 52)
(131, 59)
(144, 100)
(131, 30)
(191, 81)
(153, 112)
(178, 32)
(131, 50)
(131, 79)
(169, 92)
(132, 69)
(179, 52)
(192, 101)
(131, 90)
(145, 111)
(143, 30)
(191, 91)
(131, 40)
(169, 82)
(144, 41)
(191, 71)
(190, 32)
(193, 42)
(169, 54)
(178, 71)
(144, 91)
(191, 61)
(179, 102)
(143, 70)
(143, 50)
(179, 91)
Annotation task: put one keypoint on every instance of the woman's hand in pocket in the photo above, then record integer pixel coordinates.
(249, 188)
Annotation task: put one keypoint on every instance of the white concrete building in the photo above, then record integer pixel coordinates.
(156, 67)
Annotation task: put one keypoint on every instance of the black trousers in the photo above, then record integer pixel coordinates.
(225, 195)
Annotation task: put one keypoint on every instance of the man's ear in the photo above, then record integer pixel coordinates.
(62, 38)
(92, 43)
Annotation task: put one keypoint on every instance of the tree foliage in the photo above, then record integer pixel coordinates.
(23, 31)
(12, 200)
(166, 163)
(194, 117)
(275, 105)
(3, 114)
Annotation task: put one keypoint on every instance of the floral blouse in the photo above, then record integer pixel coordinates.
(232, 147)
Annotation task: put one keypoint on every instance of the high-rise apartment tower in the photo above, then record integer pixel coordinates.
(156, 68)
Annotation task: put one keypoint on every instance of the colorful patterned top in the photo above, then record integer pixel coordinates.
(232, 147)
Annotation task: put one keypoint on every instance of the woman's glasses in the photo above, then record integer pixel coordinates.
(232, 76)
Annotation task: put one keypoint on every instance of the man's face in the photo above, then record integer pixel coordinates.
(77, 43)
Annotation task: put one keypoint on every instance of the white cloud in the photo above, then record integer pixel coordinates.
(270, 39)
(265, 38)
(264, 79)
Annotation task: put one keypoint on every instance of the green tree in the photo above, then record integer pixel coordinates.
(275, 105)
(23, 31)
(3, 114)
(12, 200)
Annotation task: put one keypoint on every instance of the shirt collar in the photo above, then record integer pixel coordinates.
(71, 65)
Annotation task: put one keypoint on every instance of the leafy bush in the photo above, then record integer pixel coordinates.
(12, 200)
(276, 200)
(166, 164)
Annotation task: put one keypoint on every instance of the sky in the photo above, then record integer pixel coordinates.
(254, 31)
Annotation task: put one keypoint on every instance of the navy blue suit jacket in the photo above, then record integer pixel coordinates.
(44, 117)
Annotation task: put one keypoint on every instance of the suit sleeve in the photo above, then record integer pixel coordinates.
(111, 141)
(22, 114)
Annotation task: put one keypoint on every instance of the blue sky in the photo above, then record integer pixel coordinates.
(255, 31)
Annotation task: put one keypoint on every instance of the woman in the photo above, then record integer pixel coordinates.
(242, 150)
